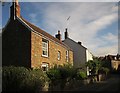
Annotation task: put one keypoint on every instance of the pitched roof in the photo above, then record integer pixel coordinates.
(74, 42)
(37, 29)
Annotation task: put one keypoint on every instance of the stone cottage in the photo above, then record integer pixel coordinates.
(24, 44)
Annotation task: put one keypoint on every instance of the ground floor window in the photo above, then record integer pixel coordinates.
(44, 66)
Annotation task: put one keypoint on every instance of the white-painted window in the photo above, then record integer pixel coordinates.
(44, 66)
(44, 48)
(59, 55)
(67, 55)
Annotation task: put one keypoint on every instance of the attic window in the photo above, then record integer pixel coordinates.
(44, 48)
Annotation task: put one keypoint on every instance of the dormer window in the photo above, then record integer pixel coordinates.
(44, 48)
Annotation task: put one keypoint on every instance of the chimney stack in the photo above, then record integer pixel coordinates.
(58, 36)
(79, 43)
(66, 34)
(15, 10)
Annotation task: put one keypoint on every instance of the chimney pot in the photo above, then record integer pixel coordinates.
(79, 43)
(58, 36)
(58, 31)
(66, 34)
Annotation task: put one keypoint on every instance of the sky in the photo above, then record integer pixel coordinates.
(95, 24)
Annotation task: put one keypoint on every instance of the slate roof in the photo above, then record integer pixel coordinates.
(37, 29)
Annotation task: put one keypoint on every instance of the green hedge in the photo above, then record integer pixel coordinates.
(60, 75)
(20, 79)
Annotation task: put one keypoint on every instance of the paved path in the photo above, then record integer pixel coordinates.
(111, 84)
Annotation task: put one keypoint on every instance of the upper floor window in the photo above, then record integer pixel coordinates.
(59, 55)
(67, 55)
(44, 48)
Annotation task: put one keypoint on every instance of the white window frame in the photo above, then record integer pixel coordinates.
(59, 55)
(44, 41)
(45, 65)
(67, 56)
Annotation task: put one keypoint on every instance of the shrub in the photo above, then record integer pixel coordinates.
(35, 80)
(12, 77)
(81, 75)
(104, 70)
(21, 79)
(61, 75)
(53, 74)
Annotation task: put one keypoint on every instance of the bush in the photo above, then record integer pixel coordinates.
(81, 75)
(104, 70)
(21, 79)
(53, 74)
(61, 75)
(12, 77)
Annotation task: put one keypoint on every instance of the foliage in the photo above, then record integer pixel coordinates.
(22, 79)
(81, 75)
(61, 75)
(104, 70)
(94, 65)
(62, 72)
(106, 64)
(53, 74)
(67, 71)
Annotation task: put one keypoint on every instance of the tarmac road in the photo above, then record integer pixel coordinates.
(112, 84)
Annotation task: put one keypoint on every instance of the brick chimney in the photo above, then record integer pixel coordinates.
(58, 36)
(15, 10)
(66, 34)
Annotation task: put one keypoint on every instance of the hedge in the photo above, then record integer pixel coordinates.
(21, 79)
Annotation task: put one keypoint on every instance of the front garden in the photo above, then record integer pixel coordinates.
(21, 79)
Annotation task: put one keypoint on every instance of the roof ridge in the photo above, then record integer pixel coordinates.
(37, 29)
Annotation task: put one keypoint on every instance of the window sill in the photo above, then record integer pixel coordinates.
(45, 56)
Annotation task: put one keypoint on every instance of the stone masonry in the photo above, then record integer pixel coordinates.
(36, 52)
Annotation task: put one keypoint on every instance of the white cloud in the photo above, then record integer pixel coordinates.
(33, 18)
(113, 49)
(110, 37)
(86, 21)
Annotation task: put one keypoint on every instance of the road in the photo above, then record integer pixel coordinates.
(112, 84)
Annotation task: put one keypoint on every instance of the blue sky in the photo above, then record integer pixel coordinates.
(95, 24)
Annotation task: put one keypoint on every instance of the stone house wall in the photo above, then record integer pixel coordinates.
(36, 52)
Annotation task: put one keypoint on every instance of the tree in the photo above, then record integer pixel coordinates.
(94, 65)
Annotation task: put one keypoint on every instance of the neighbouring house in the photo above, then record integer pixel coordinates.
(81, 54)
(113, 61)
(24, 44)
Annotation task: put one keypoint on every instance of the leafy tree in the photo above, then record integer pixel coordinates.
(94, 65)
